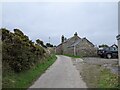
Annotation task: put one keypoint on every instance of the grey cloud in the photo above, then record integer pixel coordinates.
(96, 21)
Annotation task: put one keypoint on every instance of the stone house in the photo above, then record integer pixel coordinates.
(76, 46)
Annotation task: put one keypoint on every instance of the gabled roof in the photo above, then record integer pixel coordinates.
(70, 39)
(114, 45)
(74, 44)
(78, 41)
(88, 41)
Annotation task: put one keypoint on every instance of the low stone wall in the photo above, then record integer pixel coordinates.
(87, 52)
(82, 52)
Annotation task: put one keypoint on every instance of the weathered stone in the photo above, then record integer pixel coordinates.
(76, 46)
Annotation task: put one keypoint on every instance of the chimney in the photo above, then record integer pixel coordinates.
(75, 34)
(62, 39)
(65, 39)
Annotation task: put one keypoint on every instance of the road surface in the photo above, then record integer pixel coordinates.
(62, 74)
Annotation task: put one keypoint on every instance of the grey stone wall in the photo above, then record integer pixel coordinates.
(67, 49)
(82, 48)
(59, 49)
(86, 49)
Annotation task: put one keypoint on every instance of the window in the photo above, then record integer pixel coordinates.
(113, 49)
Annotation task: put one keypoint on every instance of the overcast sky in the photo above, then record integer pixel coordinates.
(96, 21)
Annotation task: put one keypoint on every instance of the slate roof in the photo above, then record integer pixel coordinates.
(77, 42)
(88, 41)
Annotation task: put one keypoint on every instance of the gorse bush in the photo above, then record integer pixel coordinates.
(18, 52)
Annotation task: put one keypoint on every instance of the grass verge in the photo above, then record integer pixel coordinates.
(108, 80)
(25, 79)
(96, 76)
(72, 56)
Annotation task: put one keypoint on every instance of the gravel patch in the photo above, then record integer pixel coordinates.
(111, 64)
(100, 61)
(90, 68)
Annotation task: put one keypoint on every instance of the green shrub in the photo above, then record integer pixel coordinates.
(19, 52)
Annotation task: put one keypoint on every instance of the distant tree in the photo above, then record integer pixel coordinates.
(18, 32)
(54, 46)
(39, 42)
(103, 46)
(49, 45)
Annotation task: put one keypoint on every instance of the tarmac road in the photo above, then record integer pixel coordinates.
(62, 74)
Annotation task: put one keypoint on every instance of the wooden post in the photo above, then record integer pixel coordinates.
(74, 51)
(118, 38)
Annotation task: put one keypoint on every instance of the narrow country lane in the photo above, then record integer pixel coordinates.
(62, 74)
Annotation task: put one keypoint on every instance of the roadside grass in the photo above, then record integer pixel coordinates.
(108, 80)
(26, 78)
(97, 76)
(90, 74)
(72, 56)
